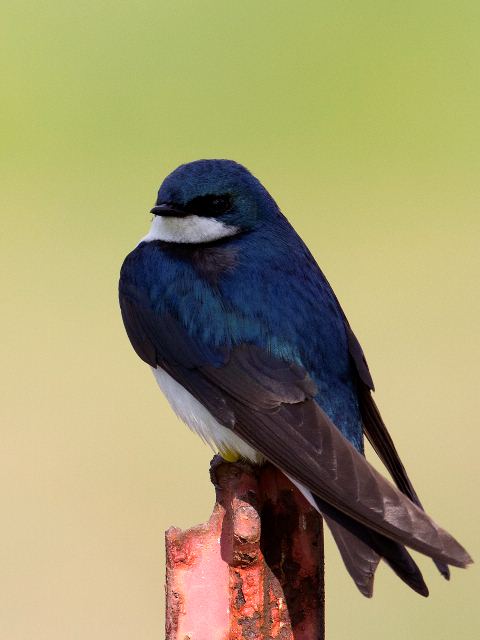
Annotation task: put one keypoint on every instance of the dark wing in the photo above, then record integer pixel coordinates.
(275, 413)
(269, 403)
(376, 430)
(374, 427)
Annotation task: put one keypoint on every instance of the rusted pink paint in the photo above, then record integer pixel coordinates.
(254, 570)
(198, 604)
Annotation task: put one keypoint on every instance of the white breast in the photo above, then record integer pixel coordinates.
(201, 421)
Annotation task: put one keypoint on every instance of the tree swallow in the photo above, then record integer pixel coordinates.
(250, 346)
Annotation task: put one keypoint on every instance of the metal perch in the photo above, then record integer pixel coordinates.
(255, 570)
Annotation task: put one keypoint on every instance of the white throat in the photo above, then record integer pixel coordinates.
(190, 229)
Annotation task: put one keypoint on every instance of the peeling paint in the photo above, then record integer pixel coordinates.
(254, 570)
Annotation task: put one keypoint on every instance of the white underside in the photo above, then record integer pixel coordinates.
(201, 421)
(190, 229)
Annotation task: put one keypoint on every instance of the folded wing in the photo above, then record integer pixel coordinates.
(269, 403)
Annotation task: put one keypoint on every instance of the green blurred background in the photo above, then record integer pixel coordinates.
(362, 119)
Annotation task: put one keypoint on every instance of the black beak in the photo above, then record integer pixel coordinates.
(168, 210)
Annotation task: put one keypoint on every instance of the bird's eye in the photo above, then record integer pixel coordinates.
(210, 205)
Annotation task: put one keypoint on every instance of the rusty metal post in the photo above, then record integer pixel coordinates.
(255, 570)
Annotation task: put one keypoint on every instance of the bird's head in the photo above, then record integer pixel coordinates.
(207, 200)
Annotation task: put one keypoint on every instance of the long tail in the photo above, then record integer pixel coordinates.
(362, 548)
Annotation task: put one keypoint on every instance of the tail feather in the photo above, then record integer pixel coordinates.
(360, 560)
(394, 554)
(362, 548)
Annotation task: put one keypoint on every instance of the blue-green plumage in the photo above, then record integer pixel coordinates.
(267, 290)
(250, 345)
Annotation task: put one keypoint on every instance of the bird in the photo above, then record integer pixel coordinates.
(250, 346)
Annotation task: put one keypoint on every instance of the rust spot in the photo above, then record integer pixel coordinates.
(269, 541)
(239, 597)
(250, 627)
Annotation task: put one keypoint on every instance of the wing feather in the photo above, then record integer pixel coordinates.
(377, 432)
(269, 403)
